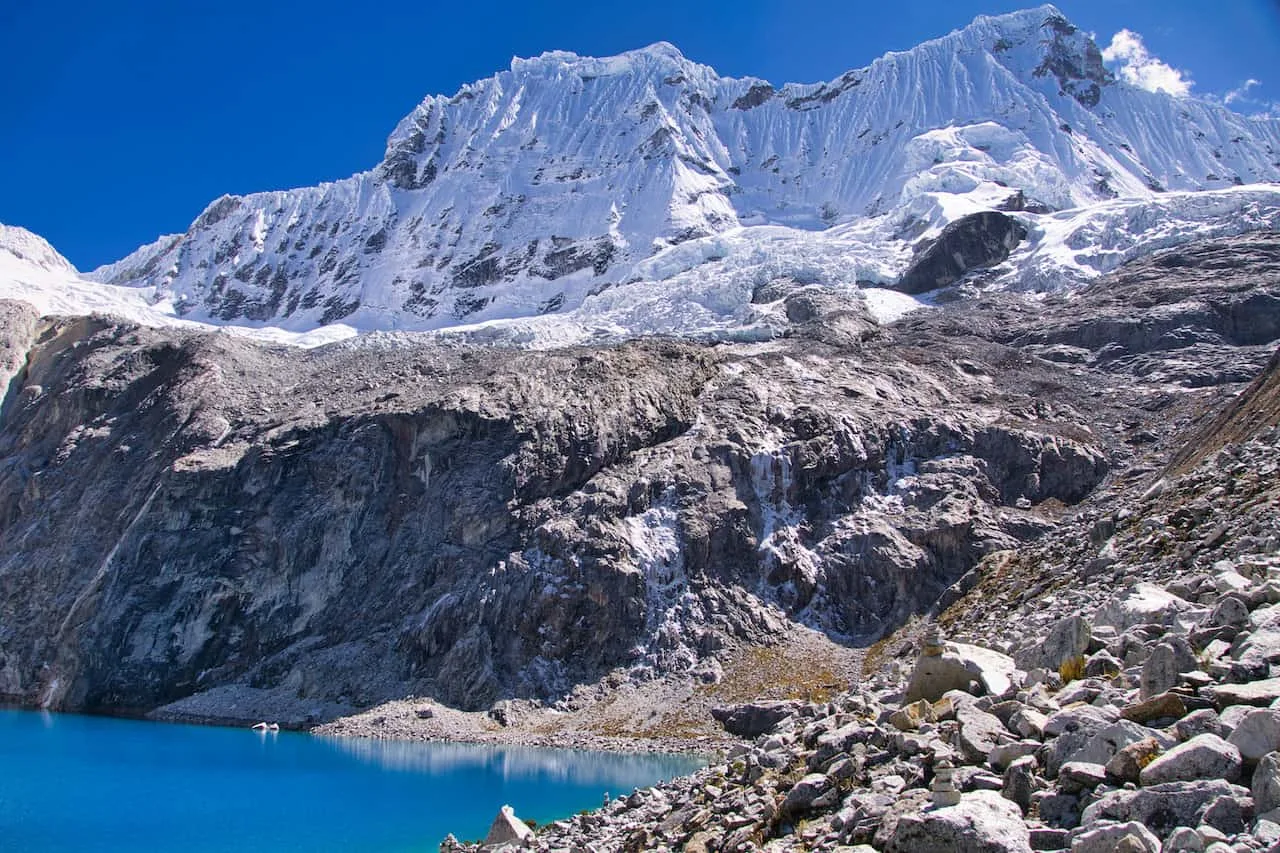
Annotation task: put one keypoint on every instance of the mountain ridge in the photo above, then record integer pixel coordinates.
(530, 191)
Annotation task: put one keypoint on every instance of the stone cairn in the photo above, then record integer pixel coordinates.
(944, 789)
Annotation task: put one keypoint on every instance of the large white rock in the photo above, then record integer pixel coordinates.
(507, 828)
(982, 822)
(1146, 603)
(959, 665)
(1203, 757)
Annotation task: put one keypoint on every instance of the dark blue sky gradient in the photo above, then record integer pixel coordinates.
(121, 121)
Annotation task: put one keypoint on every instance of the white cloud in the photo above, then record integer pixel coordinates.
(1139, 68)
(1242, 93)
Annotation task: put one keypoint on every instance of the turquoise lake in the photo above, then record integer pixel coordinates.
(91, 784)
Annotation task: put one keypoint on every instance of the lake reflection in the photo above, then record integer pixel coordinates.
(515, 762)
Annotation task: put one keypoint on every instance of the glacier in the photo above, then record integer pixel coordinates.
(573, 199)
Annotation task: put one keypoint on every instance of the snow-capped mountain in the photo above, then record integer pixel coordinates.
(32, 271)
(581, 186)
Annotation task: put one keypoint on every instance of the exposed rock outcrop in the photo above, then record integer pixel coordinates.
(973, 242)
(259, 534)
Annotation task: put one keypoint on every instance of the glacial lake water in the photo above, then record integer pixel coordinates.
(92, 785)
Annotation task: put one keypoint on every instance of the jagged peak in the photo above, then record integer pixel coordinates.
(660, 56)
(1003, 33)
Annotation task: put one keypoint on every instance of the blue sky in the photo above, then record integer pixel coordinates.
(122, 120)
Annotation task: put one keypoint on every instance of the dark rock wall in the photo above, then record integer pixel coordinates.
(180, 513)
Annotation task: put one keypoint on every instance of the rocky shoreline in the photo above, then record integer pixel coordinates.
(405, 720)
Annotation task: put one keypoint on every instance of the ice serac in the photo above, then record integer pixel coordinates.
(546, 185)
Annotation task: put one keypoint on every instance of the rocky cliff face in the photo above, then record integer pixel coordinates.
(190, 514)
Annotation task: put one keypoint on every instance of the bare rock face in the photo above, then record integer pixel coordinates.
(194, 519)
(357, 523)
(973, 242)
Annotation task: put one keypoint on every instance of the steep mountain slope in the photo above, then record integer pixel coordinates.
(565, 176)
(194, 518)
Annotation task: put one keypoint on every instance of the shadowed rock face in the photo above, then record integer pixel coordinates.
(180, 513)
(977, 241)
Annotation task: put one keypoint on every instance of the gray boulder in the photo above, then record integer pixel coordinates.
(1077, 776)
(1203, 757)
(1078, 718)
(1257, 734)
(753, 718)
(1262, 644)
(1266, 783)
(805, 793)
(1028, 722)
(1163, 669)
(1184, 839)
(982, 822)
(980, 732)
(1231, 610)
(1162, 808)
(1067, 639)
(1020, 782)
(1257, 693)
(1132, 837)
(1060, 810)
(1097, 746)
(1204, 721)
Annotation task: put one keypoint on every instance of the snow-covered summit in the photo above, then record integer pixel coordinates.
(539, 189)
(20, 247)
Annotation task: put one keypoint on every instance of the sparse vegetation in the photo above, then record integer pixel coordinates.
(1072, 669)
